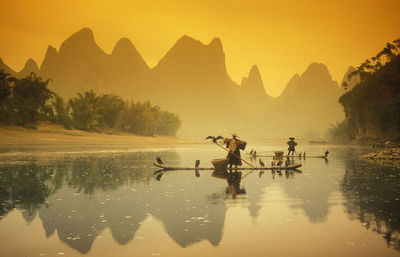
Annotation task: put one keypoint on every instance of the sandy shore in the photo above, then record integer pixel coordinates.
(51, 136)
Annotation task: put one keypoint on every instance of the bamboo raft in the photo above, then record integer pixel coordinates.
(289, 167)
(290, 156)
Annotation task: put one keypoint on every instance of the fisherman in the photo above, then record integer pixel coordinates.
(234, 146)
(292, 145)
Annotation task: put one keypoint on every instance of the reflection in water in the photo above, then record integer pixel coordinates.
(312, 192)
(77, 198)
(372, 195)
(77, 212)
(110, 192)
(25, 188)
(233, 178)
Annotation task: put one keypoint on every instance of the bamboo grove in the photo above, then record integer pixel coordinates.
(28, 100)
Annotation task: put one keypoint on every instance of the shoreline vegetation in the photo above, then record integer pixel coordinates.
(26, 101)
(372, 101)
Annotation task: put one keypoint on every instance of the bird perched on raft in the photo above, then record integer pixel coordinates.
(261, 163)
(159, 160)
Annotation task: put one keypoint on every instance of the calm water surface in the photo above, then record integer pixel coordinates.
(109, 203)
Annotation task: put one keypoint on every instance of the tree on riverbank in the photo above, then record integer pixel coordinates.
(92, 112)
(372, 107)
(26, 101)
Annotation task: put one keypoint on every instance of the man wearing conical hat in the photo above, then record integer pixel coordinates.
(234, 146)
(292, 144)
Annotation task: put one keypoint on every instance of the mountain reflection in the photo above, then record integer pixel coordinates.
(372, 195)
(80, 197)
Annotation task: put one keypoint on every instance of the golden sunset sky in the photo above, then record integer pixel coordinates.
(281, 37)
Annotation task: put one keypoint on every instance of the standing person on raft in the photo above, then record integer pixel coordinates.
(292, 144)
(234, 146)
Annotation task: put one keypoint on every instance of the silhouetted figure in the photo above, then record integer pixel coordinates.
(234, 146)
(262, 163)
(292, 144)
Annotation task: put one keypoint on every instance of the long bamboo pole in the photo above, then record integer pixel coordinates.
(234, 154)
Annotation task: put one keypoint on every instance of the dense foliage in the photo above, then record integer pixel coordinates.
(26, 101)
(92, 112)
(372, 107)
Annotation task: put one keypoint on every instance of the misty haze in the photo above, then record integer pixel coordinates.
(199, 128)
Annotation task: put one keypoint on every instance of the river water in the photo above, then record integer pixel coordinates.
(95, 202)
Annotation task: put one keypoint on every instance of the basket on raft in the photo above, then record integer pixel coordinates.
(278, 155)
(220, 164)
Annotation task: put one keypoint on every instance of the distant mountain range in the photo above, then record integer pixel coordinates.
(191, 79)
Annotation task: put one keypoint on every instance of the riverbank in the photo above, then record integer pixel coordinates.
(52, 136)
(383, 154)
(388, 157)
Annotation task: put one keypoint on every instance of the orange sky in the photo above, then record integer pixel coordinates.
(282, 37)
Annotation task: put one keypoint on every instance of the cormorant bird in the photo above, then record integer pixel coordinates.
(300, 155)
(214, 139)
(159, 160)
(262, 163)
(197, 163)
(159, 176)
(251, 151)
(272, 163)
(279, 163)
(326, 153)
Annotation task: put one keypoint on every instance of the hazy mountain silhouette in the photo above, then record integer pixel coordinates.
(192, 80)
(81, 65)
(30, 66)
(315, 81)
(253, 89)
(5, 67)
(290, 89)
(350, 82)
(309, 102)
